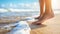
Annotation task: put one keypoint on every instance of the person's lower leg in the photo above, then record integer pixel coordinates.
(48, 10)
(41, 3)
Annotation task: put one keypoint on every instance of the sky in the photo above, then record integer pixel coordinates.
(19, 4)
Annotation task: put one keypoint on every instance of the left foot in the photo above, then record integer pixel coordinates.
(37, 17)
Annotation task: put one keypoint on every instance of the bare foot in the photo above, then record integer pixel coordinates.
(44, 18)
(37, 17)
(40, 15)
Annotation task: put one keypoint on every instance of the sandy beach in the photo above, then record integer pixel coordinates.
(51, 26)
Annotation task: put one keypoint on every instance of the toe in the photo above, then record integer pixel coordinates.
(36, 23)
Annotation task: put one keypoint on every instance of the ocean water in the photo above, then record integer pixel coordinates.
(29, 13)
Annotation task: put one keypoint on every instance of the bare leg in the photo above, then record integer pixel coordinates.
(48, 10)
(48, 13)
(41, 3)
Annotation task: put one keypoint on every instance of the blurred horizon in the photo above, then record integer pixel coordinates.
(25, 5)
(31, 7)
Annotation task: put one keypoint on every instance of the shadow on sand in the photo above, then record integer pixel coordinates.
(37, 26)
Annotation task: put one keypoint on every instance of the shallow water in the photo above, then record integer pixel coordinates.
(29, 13)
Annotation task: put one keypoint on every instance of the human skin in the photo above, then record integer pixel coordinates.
(46, 13)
